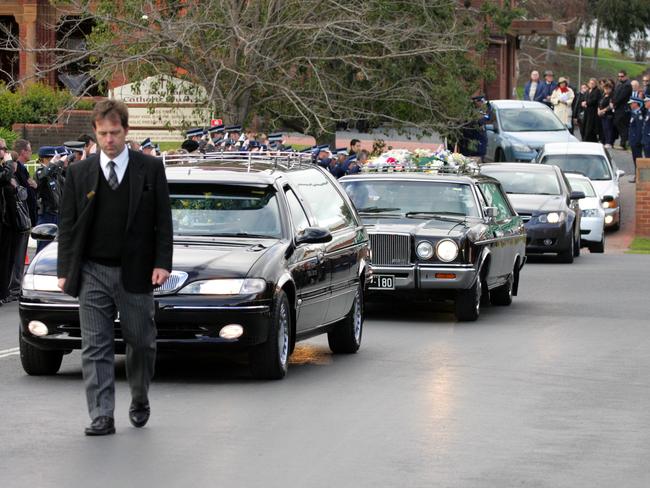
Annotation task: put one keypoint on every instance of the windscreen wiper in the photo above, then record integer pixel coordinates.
(377, 209)
(450, 217)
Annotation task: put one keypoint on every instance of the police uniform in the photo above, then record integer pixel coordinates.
(635, 135)
(191, 135)
(50, 179)
(215, 135)
(147, 144)
(351, 166)
(645, 138)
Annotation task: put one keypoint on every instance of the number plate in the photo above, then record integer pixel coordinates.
(382, 282)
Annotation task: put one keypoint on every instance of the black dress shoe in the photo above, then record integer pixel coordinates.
(139, 414)
(101, 426)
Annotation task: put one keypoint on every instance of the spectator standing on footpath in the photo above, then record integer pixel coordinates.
(547, 88)
(7, 183)
(646, 85)
(606, 115)
(115, 246)
(562, 100)
(590, 104)
(579, 111)
(25, 189)
(622, 94)
(646, 127)
(636, 130)
(532, 91)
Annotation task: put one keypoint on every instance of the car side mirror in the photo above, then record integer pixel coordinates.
(607, 198)
(490, 213)
(45, 232)
(578, 195)
(620, 173)
(313, 235)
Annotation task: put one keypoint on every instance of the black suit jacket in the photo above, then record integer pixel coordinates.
(149, 234)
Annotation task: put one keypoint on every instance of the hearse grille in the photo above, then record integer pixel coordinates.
(390, 249)
(175, 281)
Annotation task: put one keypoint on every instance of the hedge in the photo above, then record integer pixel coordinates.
(33, 104)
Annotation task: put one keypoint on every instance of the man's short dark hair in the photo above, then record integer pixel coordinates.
(622, 72)
(354, 141)
(86, 139)
(113, 110)
(21, 145)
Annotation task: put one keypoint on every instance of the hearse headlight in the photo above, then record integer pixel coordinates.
(37, 282)
(447, 250)
(424, 250)
(246, 286)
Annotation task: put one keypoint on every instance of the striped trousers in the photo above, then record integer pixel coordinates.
(102, 295)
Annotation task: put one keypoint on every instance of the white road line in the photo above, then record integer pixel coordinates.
(6, 355)
(5, 351)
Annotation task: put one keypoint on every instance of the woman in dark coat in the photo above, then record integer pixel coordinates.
(591, 120)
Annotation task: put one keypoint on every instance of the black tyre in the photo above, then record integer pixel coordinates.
(576, 248)
(345, 337)
(468, 302)
(568, 255)
(39, 362)
(598, 247)
(502, 295)
(270, 360)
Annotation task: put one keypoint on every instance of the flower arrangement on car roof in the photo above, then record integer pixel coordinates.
(424, 160)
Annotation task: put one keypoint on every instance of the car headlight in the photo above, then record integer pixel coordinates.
(610, 204)
(246, 286)
(38, 282)
(551, 218)
(591, 212)
(424, 250)
(447, 250)
(521, 148)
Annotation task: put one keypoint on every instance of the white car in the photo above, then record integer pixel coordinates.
(594, 161)
(592, 223)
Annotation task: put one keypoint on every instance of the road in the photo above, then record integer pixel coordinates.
(551, 392)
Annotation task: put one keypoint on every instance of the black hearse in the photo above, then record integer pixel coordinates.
(268, 250)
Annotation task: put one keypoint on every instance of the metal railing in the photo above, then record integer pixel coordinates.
(239, 159)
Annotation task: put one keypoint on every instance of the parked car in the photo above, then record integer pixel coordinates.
(265, 254)
(440, 237)
(592, 219)
(596, 163)
(542, 196)
(517, 130)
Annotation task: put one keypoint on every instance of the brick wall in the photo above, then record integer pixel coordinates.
(71, 125)
(643, 197)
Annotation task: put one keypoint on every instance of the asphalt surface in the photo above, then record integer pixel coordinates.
(551, 392)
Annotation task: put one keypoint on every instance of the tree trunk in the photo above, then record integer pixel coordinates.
(571, 38)
(594, 62)
(326, 138)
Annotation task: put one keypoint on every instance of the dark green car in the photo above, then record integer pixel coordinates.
(439, 236)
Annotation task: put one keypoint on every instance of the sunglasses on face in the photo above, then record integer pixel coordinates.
(3, 148)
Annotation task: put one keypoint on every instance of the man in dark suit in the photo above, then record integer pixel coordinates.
(622, 94)
(115, 245)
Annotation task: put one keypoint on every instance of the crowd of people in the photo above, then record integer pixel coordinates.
(219, 138)
(601, 110)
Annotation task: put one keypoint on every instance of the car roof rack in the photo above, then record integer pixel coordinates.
(240, 160)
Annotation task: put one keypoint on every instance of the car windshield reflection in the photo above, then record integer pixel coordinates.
(536, 120)
(593, 167)
(524, 183)
(224, 211)
(411, 197)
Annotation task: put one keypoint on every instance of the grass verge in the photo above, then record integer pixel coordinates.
(640, 245)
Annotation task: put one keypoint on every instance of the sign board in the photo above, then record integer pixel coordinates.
(160, 107)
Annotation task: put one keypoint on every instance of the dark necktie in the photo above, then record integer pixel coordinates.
(112, 176)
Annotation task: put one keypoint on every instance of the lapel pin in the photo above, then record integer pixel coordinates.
(90, 194)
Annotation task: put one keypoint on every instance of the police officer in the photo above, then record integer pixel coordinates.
(635, 135)
(50, 177)
(324, 157)
(474, 139)
(337, 165)
(147, 147)
(645, 139)
(194, 135)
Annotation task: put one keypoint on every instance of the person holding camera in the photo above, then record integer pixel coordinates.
(14, 222)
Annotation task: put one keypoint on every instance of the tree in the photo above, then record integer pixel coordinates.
(573, 14)
(301, 64)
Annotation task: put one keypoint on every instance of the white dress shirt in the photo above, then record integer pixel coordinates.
(121, 163)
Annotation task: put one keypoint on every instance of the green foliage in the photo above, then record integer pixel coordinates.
(9, 136)
(612, 62)
(34, 104)
(625, 20)
(84, 104)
